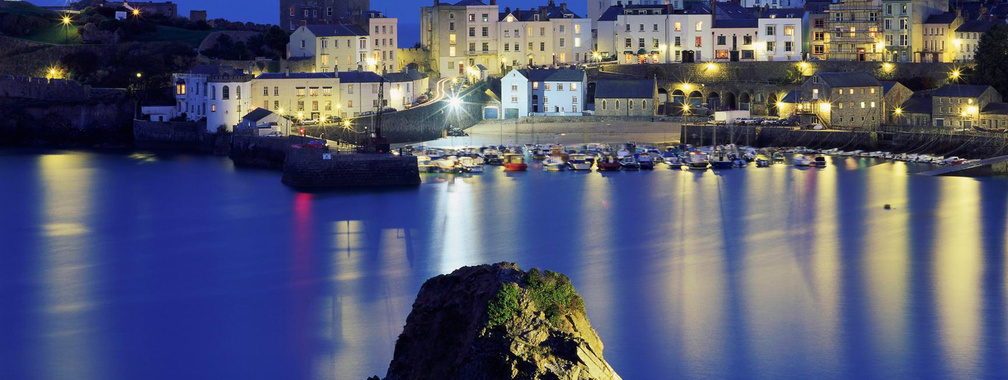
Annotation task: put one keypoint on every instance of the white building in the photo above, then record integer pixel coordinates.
(598, 7)
(780, 35)
(192, 89)
(735, 40)
(359, 93)
(383, 57)
(334, 47)
(230, 99)
(530, 92)
(404, 88)
(460, 36)
(655, 34)
(308, 96)
(967, 38)
(547, 36)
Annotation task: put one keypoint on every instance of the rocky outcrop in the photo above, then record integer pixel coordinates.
(498, 322)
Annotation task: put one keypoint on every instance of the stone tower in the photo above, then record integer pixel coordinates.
(294, 13)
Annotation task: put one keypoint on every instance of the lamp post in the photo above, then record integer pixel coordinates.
(66, 29)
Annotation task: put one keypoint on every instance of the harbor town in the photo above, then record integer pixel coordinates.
(492, 189)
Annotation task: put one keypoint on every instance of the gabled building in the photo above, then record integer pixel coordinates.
(598, 7)
(816, 35)
(780, 35)
(851, 100)
(404, 88)
(893, 95)
(263, 122)
(903, 26)
(546, 36)
(460, 36)
(333, 47)
(959, 106)
(656, 34)
(220, 94)
(529, 92)
(626, 98)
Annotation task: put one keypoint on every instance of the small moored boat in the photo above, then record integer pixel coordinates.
(514, 162)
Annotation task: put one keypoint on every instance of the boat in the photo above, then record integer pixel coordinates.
(554, 164)
(425, 164)
(579, 161)
(469, 165)
(721, 161)
(629, 163)
(607, 163)
(539, 153)
(762, 161)
(514, 162)
(674, 162)
(777, 157)
(645, 162)
(819, 161)
(802, 160)
(446, 164)
(698, 161)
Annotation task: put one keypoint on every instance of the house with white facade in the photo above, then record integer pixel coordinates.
(230, 98)
(655, 34)
(307, 96)
(598, 7)
(359, 93)
(773, 4)
(735, 40)
(334, 47)
(529, 92)
(405, 87)
(383, 55)
(192, 89)
(546, 36)
(780, 34)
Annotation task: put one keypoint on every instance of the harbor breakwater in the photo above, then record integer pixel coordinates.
(946, 143)
(316, 169)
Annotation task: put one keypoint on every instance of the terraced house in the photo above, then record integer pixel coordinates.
(842, 100)
(460, 37)
(547, 36)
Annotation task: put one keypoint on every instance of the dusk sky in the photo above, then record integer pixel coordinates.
(265, 11)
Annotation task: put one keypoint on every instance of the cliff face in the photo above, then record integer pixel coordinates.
(498, 322)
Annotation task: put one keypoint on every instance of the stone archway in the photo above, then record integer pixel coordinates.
(663, 95)
(772, 108)
(713, 101)
(678, 97)
(730, 102)
(744, 102)
(696, 99)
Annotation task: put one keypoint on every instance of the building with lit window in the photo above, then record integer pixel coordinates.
(967, 38)
(308, 96)
(546, 36)
(853, 100)
(460, 36)
(780, 35)
(903, 26)
(816, 35)
(529, 92)
(735, 40)
(297, 13)
(772, 4)
(335, 47)
(938, 35)
(626, 97)
(217, 93)
(855, 31)
(959, 106)
(655, 34)
(596, 8)
(383, 54)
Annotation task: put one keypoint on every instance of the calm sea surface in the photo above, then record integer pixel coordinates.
(140, 266)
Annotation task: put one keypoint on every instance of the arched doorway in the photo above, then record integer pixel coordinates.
(696, 99)
(678, 97)
(729, 101)
(744, 101)
(713, 101)
(663, 95)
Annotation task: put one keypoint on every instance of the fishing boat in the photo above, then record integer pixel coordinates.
(469, 165)
(819, 161)
(762, 161)
(674, 162)
(446, 164)
(579, 161)
(608, 163)
(802, 160)
(539, 153)
(554, 164)
(721, 161)
(645, 162)
(629, 163)
(698, 161)
(514, 162)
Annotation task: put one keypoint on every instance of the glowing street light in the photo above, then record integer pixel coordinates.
(711, 67)
(887, 67)
(136, 11)
(66, 29)
(687, 86)
(281, 111)
(955, 74)
(139, 75)
(898, 111)
(346, 124)
(455, 103)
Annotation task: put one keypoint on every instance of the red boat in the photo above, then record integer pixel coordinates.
(514, 162)
(608, 163)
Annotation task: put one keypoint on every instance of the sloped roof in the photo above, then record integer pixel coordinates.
(729, 10)
(783, 13)
(888, 85)
(611, 13)
(849, 79)
(407, 76)
(359, 77)
(257, 114)
(961, 90)
(546, 13)
(636, 89)
(917, 104)
(941, 18)
(736, 23)
(791, 97)
(996, 109)
(553, 75)
(975, 26)
(325, 75)
(469, 2)
(336, 30)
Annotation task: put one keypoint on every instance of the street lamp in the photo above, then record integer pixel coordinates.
(66, 29)
(136, 12)
(955, 74)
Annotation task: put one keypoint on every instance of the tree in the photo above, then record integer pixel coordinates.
(991, 59)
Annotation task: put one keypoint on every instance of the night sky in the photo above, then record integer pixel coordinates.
(265, 11)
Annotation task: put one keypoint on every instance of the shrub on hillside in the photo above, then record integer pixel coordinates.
(21, 25)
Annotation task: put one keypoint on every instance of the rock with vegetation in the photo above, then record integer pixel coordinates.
(498, 322)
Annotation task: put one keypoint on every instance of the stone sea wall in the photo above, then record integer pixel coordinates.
(307, 169)
(766, 72)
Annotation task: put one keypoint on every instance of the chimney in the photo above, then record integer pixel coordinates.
(437, 2)
(551, 4)
(507, 10)
(563, 6)
(493, 2)
(619, 3)
(287, 72)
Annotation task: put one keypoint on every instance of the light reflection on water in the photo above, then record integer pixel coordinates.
(148, 266)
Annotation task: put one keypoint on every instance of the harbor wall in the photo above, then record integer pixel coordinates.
(95, 122)
(946, 143)
(307, 169)
(771, 72)
(262, 152)
(190, 136)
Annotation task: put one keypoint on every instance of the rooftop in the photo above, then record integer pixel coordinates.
(975, 26)
(625, 89)
(849, 79)
(257, 114)
(545, 13)
(995, 109)
(407, 76)
(962, 90)
(336, 30)
(553, 75)
(327, 75)
(917, 104)
(941, 18)
(783, 13)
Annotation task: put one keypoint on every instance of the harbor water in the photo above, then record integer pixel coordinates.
(146, 266)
